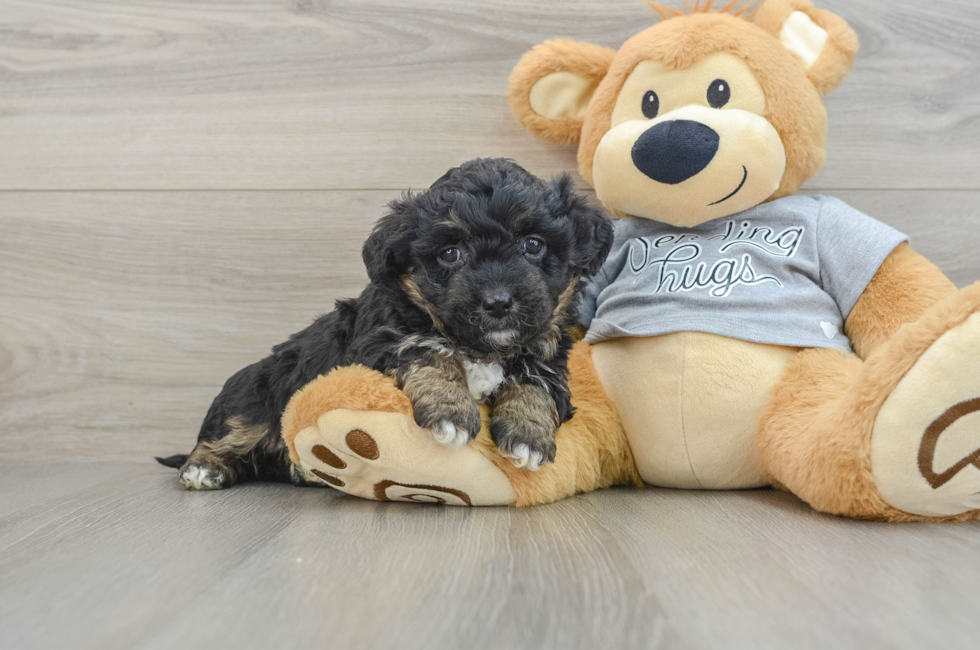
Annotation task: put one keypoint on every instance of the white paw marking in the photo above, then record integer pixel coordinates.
(522, 456)
(829, 329)
(446, 433)
(482, 378)
(195, 477)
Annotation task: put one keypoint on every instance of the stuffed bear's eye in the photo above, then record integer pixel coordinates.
(450, 256)
(719, 93)
(534, 247)
(651, 105)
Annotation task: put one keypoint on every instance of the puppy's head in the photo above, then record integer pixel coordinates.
(493, 254)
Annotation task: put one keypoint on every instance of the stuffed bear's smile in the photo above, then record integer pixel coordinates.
(745, 177)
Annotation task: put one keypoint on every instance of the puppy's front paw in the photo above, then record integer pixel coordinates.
(447, 433)
(524, 424)
(453, 422)
(528, 443)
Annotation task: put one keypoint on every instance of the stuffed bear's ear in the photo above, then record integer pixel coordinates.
(593, 229)
(823, 41)
(552, 85)
(387, 251)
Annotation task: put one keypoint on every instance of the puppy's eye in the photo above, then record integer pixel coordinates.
(450, 256)
(534, 247)
(651, 105)
(719, 93)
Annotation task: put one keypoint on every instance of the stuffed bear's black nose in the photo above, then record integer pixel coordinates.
(498, 304)
(674, 151)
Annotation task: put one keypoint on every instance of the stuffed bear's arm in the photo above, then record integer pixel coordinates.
(905, 286)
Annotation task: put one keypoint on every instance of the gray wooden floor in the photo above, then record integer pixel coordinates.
(183, 183)
(109, 555)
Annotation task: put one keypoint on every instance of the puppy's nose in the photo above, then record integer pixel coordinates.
(674, 151)
(498, 304)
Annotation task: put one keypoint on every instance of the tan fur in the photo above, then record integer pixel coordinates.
(241, 439)
(226, 452)
(548, 342)
(414, 293)
(356, 388)
(903, 289)
(793, 104)
(690, 404)
(815, 434)
(527, 404)
(836, 60)
(793, 93)
(589, 62)
(592, 449)
(746, 11)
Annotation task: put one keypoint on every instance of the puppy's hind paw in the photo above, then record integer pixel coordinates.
(203, 477)
(447, 433)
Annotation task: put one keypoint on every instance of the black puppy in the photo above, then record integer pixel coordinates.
(473, 283)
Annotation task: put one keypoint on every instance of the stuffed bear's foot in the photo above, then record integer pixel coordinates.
(387, 457)
(353, 430)
(925, 445)
(894, 437)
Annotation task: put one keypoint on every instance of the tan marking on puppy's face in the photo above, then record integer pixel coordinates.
(412, 290)
(688, 146)
(549, 340)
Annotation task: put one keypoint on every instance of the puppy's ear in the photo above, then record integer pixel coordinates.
(387, 251)
(593, 229)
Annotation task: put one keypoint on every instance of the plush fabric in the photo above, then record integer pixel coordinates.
(793, 104)
(675, 393)
(585, 65)
(815, 435)
(903, 289)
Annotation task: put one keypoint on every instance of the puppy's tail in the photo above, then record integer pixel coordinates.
(173, 461)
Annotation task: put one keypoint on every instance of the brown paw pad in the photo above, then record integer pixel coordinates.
(327, 457)
(332, 480)
(362, 444)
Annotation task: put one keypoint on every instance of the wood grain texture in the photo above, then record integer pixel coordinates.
(100, 556)
(124, 313)
(386, 94)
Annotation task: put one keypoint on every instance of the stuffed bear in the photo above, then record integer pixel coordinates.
(738, 335)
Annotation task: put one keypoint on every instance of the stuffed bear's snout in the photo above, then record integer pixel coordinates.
(673, 151)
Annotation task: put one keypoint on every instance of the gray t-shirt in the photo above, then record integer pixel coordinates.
(783, 273)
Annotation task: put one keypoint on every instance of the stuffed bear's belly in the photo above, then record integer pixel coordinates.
(691, 403)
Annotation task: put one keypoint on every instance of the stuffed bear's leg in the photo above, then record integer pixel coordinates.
(895, 437)
(353, 429)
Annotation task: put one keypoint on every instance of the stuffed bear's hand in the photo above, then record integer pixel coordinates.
(524, 424)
